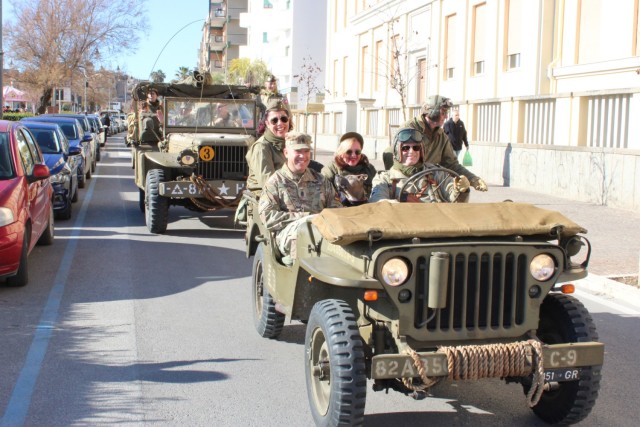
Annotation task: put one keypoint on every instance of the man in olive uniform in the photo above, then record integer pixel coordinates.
(436, 146)
(293, 194)
(269, 93)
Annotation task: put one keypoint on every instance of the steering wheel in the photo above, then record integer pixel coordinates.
(433, 185)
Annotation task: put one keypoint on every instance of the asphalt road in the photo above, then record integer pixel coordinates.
(121, 327)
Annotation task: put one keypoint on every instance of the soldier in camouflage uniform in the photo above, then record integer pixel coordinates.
(293, 194)
(265, 156)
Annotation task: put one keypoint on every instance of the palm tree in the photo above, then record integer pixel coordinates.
(157, 76)
(183, 73)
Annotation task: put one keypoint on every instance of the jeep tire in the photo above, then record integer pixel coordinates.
(335, 365)
(156, 206)
(267, 320)
(563, 319)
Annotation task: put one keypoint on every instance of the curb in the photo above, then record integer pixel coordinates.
(627, 297)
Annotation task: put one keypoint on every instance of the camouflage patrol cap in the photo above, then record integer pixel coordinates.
(435, 102)
(277, 104)
(297, 141)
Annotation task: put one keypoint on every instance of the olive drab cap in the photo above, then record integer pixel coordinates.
(271, 78)
(276, 104)
(297, 141)
(435, 102)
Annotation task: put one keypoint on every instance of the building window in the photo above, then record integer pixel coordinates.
(515, 22)
(286, 50)
(364, 68)
(217, 64)
(265, 38)
(450, 43)
(479, 32)
(450, 72)
(514, 61)
(219, 13)
(379, 57)
(422, 82)
(267, 4)
(345, 65)
(219, 39)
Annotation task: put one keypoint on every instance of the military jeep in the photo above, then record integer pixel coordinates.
(408, 295)
(193, 154)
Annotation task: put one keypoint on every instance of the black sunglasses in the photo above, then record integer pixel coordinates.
(356, 152)
(405, 148)
(405, 135)
(283, 119)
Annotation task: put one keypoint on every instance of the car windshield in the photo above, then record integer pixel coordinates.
(47, 141)
(6, 170)
(69, 130)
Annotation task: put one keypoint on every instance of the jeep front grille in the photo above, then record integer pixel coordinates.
(228, 163)
(486, 291)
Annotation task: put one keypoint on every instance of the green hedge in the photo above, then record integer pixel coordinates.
(16, 116)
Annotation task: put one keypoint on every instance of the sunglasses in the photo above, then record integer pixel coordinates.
(356, 152)
(405, 135)
(406, 148)
(283, 119)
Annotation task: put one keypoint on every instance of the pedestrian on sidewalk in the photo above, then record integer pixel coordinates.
(455, 130)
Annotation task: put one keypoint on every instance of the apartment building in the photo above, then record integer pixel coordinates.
(287, 36)
(222, 35)
(547, 88)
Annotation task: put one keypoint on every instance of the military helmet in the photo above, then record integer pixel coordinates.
(433, 105)
(405, 135)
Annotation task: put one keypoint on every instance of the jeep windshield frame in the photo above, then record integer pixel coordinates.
(202, 115)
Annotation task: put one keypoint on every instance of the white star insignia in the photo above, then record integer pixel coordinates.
(224, 190)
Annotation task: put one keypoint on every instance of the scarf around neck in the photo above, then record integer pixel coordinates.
(278, 143)
(407, 170)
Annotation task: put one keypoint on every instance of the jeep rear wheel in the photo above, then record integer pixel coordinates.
(563, 319)
(156, 206)
(335, 365)
(267, 320)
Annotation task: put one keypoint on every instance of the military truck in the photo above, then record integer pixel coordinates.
(408, 295)
(192, 152)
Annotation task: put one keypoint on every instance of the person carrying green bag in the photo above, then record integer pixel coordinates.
(467, 160)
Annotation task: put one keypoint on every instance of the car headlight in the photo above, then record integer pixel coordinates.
(6, 217)
(542, 267)
(395, 272)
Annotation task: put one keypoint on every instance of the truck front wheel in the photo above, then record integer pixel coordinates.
(156, 206)
(335, 365)
(563, 319)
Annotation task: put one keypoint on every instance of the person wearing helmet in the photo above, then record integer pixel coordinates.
(436, 146)
(408, 160)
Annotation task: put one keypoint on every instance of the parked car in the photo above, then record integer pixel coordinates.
(101, 129)
(62, 161)
(26, 210)
(77, 138)
(88, 129)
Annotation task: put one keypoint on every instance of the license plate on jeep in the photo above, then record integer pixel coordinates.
(562, 375)
(184, 189)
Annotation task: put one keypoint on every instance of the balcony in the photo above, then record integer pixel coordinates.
(217, 42)
(218, 15)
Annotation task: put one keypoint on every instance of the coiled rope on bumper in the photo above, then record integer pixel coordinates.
(488, 361)
(211, 195)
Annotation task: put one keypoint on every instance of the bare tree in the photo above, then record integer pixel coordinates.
(51, 39)
(307, 80)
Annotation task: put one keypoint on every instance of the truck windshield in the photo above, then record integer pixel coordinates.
(219, 113)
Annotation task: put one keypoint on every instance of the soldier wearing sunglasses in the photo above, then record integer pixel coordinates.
(350, 172)
(437, 149)
(408, 161)
(265, 156)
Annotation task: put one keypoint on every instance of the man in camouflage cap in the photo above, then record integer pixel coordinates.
(436, 146)
(293, 194)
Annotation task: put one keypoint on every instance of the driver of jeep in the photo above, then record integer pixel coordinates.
(408, 161)
(293, 194)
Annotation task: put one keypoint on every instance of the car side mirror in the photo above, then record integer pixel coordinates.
(39, 173)
(87, 137)
(75, 151)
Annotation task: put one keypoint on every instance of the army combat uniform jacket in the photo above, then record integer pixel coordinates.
(263, 159)
(287, 197)
(437, 148)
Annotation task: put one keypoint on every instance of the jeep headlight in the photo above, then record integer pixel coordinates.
(187, 157)
(395, 272)
(542, 267)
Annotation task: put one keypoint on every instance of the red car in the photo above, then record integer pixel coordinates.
(26, 207)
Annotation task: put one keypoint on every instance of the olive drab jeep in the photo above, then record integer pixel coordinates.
(192, 152)
(407, 295)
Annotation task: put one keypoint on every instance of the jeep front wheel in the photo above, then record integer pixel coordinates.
(156, 206)
(335, 365)
(563, 319)
(267, 320)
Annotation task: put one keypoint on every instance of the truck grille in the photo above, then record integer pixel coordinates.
(486, 291)
(229, 163)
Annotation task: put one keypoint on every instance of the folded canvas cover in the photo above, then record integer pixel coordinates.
(430, 220)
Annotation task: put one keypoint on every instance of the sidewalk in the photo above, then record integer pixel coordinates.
(614, 233)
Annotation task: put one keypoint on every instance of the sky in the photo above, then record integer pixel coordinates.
(165, 18)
